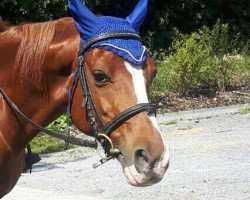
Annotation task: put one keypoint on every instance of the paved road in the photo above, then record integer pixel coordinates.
(210, 160)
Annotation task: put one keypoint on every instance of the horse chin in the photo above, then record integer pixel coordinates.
(138, 179)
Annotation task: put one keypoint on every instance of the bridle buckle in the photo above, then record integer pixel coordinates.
(110, 150)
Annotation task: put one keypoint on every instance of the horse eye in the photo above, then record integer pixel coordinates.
(100, 77)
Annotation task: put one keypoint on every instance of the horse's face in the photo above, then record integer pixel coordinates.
(117, 85)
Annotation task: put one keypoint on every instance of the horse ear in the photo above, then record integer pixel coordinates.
(87, 23)
(137, 16)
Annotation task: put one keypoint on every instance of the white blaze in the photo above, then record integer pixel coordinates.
(141, 95)
(138, 82)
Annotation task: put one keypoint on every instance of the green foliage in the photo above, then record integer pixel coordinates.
(29, 10)
(244, 110)
(60, 123)
(162, 17)
(44, 143)
(207, 57)
(168, 123)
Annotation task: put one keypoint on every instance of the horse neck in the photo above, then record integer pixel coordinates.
(44, 104)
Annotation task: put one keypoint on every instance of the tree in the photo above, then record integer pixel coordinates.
(163, 15)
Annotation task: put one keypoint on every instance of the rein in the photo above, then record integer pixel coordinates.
(63, 136)
(100, 130)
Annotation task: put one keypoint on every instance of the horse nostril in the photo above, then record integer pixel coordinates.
(141, 154)
(141, 161)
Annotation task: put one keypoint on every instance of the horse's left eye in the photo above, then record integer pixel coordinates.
(100, 77)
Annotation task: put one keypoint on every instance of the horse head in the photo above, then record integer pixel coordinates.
(119, 73)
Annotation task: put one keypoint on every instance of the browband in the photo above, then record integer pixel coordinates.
(109, 35)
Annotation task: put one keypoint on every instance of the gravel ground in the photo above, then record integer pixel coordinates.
(210, 160)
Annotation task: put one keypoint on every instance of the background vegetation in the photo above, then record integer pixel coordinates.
(44, 143)
(163, 15)
(208, 57)
(195, 42)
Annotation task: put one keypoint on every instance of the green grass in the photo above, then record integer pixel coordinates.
(244, 110)
(45, 144)
(168, 123)
(189, 127)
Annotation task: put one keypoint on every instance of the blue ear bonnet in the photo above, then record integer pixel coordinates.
(90, 26)
(131, 50)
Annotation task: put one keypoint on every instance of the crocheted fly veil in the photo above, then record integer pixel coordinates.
(89, 26)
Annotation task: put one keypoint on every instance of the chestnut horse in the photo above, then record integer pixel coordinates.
(37, 66)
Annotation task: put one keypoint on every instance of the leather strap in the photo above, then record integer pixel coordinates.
(127, 114)
(88, 103)
(63, 136)
(110, 35)
(92, 112)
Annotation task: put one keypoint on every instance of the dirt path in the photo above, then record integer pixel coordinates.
(210, 160)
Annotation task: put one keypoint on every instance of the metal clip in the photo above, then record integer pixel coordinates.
(100, 162)
(113, 152)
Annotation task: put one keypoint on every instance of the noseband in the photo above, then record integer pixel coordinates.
(100, 130)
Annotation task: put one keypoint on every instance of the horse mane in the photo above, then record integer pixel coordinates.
(35, 41)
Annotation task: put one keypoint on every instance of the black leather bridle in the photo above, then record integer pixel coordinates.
(100, 130)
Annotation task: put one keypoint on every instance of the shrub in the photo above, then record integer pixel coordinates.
(245, 110)
(60, 123)
(207, 57)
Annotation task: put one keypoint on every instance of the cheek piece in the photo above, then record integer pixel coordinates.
(119, 36)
